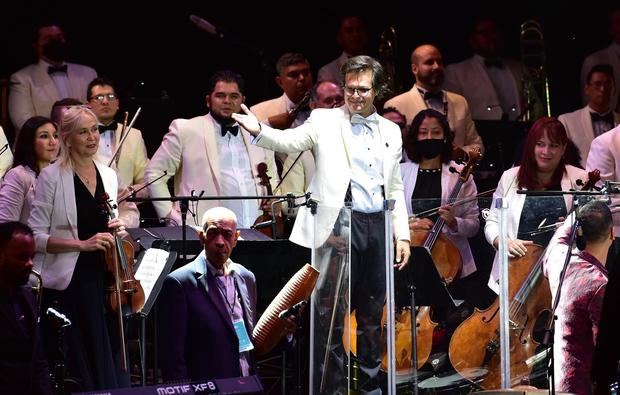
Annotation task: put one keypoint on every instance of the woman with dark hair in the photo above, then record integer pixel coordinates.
(35, 148)
(544, 166)
(428, 183)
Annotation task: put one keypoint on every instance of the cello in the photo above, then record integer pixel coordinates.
(124, 293)
(447, 259)
(475, 343)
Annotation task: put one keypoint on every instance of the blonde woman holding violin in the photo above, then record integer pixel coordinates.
(429, 181)
(72, 230)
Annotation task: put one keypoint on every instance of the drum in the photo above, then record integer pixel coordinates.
(451, 382)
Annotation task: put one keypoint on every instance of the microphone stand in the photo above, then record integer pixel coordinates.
(184, 206)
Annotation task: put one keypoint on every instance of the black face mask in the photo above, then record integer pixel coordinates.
(54, 50)
(430, 148)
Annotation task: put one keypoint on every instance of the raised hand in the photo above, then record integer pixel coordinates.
(248, 120)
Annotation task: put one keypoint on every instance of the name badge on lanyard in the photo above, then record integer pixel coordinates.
(245, 344)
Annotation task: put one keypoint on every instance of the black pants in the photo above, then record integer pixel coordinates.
(368, 288)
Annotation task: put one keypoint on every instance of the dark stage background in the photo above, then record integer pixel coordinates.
(161, 59)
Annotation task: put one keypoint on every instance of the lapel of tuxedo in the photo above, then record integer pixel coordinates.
(346, 133)
(211, 149)
(66, 176)
(43, 80)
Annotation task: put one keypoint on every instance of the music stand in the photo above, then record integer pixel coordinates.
(430, 288)
(153, 278)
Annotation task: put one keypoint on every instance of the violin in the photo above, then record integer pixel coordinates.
(124, 293)
(475, 343)
(286, 119)
(261, 169)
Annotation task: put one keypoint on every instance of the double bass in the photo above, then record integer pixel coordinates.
(124, 293)
(475, 343)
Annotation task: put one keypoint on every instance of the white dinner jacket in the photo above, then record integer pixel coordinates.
(507, 189)
(411, 103)
(190, 154)
(470, 79)
(578, 125)
(33, 92)
(328, 134)
(605, 156)
(54, 214)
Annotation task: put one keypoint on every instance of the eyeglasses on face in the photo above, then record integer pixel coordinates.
(362, 91)
(100, 98)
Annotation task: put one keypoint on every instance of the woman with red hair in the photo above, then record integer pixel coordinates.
(544, 167)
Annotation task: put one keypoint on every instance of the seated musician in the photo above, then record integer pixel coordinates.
(207, 309)
(543, 167)
(581, 296)
(211, 153)
(428, 183)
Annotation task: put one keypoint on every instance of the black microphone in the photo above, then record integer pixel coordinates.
(262, 225)
(294, 310)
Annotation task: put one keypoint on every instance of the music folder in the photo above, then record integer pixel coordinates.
(430, 288)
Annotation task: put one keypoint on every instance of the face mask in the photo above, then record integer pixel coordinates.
(430, 148)
(54, 50)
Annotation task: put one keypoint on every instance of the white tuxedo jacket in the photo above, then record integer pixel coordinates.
(131, 161)
(190, 154)
(470, 79)
(328, 134)
(54, 214)
(605, 156)
(466, 215)
(603, 56)
(411, 103)
(32, 90)
(507, 189)
(578, 125)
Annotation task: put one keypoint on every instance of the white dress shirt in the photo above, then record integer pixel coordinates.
(61, 81)
(236, 176)
(366, 167)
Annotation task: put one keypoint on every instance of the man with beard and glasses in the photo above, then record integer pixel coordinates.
(427, 67)
(23, 367)
(37, 86)
(211, 153)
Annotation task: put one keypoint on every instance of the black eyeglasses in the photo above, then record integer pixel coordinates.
(362, 91)
(100, 98)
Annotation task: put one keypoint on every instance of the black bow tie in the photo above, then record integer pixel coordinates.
(488, 63)
(609, 118)
(104, 128)
(432, 95)
(59, 69)
(232, 129)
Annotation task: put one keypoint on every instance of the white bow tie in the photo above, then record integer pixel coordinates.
(358, 119)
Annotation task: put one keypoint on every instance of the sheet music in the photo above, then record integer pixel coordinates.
(152, 264)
